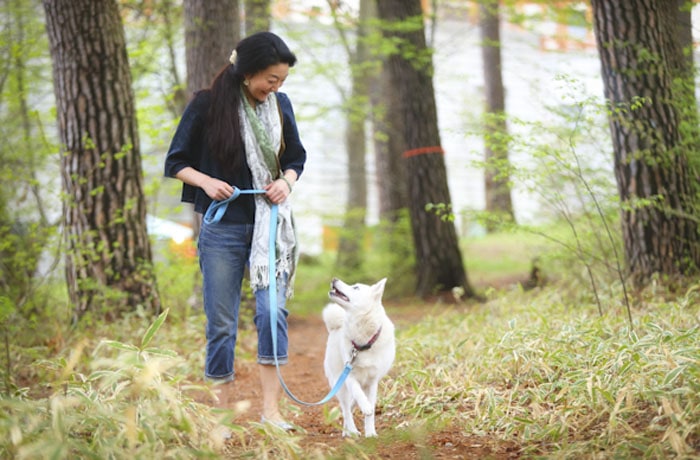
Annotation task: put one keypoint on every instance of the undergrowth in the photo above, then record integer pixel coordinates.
(557, 378)
(542, 369)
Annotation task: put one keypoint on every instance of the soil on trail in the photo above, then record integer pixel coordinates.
(305, 378)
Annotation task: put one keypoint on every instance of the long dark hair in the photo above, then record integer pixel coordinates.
(254, 54)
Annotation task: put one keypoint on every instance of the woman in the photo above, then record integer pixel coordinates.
(241, 132)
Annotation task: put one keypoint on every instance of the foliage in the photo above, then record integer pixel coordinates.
(390, 254)
(383, 251)
(555, 376)
(539, 368)
(130, 401)
(561, 162)
(31, 302)
(569, 13)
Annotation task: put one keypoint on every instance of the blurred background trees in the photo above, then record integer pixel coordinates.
(397, 216)
(27, 185)
(496, 165)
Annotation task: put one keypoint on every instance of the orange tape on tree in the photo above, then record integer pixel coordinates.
(423, 151)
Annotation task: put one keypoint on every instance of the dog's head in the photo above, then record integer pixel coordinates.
(357, 296)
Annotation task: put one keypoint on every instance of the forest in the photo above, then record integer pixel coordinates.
(525, 175)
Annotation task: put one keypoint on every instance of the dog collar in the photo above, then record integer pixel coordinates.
(369, 344)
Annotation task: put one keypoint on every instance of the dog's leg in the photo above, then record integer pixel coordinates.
(370, 430)
(360, 397)
(346, 403)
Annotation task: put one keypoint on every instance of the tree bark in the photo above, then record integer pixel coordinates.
(388, 140)
(108, 257)
(496, 172)
(212, 30)
(438, 256)
(639, 50)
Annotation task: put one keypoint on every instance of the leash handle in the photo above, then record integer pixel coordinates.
(215, 212)
(217, 209)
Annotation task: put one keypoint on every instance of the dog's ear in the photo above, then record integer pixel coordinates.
(378, 288)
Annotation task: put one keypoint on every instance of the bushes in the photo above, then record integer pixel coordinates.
(125, 401)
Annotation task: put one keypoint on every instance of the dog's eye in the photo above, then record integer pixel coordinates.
(356, 287)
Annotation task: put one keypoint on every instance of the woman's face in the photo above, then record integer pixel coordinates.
(266, 81)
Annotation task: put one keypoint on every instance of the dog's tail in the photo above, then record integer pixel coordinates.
(333, 316)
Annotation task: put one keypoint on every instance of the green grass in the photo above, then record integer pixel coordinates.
(501, 256)
(559, 379)
(541, 369)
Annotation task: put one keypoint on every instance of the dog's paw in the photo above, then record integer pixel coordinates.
(371, 434)
(367, 409)
(350, 433)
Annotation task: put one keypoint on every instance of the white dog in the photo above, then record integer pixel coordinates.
(360, 332)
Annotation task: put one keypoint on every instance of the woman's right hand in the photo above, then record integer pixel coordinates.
(217, 189)
(214, 188)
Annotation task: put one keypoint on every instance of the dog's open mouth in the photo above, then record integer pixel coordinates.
(336, 293)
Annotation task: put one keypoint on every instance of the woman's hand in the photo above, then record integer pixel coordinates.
(217, 189)
(214, 188)
(277, 191)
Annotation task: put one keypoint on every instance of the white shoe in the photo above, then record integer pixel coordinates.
(281, 424)
(223, 433)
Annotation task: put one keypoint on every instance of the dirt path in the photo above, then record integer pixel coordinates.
(305, 378)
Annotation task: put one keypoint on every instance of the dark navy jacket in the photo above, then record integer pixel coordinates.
(189, 148)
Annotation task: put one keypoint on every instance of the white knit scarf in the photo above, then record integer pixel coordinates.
(269, 116)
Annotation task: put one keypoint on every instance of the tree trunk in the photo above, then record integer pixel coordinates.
(639, 52)
(351, 237)
(393, 187)
(438, 256)
(391, 184)
(212, 31)
(496, 173)
(258, 16)
(108, 257)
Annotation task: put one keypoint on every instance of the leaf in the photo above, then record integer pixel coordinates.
(154, 328)
(119, 345)
(673, 375)
(161, 352)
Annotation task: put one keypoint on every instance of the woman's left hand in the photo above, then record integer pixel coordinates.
(277, 191)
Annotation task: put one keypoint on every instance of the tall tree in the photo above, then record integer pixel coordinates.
(108, 253)
(640, 56)
(496, 172)
(439, 265)
(258, 16)
(349, 254)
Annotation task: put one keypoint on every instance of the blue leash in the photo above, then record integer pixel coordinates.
(214, 213)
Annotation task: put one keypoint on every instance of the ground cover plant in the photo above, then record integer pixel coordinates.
(524, 374)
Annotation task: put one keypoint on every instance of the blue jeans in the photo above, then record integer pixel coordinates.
(224, 250)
